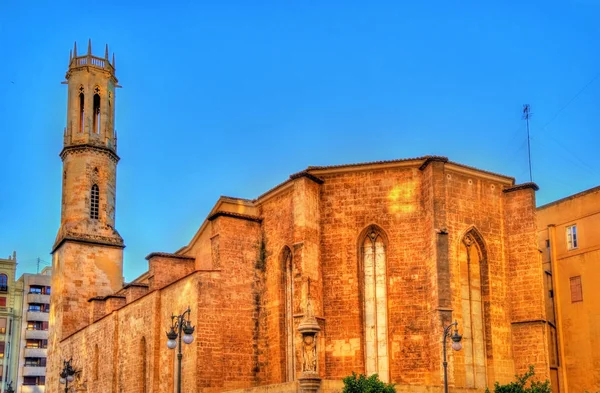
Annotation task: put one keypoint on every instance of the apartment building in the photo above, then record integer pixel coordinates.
(10, 319)
(569, 240)
(31, 366)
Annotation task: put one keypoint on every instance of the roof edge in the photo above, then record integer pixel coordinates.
(522, 186)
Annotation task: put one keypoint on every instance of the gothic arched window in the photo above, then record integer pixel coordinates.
(94, 202)
(288, 281)
(144, 369)
(95, 364)
(96, 126)
(81, 108)
(473, 286)
(375, 307)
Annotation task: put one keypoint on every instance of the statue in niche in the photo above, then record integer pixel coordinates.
(309, 354)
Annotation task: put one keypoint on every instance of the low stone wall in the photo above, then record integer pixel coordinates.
(336, 386)
(289, 387)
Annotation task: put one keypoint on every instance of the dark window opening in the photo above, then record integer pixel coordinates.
(3, 283)
(81, 109)
(35, 362)
(97, 113)
(36, 344)
(39, 307)
(94, 202)
(34, 380)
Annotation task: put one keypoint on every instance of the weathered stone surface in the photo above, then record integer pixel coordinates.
(448, 244)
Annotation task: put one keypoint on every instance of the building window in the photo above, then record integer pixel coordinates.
(2, 325)
(95, 365)
(36, 343)
(38, 307)
(35, 362)
(34, 380)
(96, 126)
(3, 283)
(572, 237)
(576, 289)
(2, 301)
(81, 108)
(2, 349)
(288, 312)
(375, 304)
(36, 289)
(144, 370)
(94, 202)
(37, 325)
(472, 261)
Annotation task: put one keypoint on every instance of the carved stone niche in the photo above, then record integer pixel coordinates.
(309, 380)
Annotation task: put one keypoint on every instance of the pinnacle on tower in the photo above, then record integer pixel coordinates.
(113, 62)
(89, 47)
(106, 52)
(75, 49)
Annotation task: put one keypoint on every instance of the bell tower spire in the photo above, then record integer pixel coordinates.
(88, 251)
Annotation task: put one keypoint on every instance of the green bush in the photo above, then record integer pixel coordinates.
(361, 384)
(518, 386)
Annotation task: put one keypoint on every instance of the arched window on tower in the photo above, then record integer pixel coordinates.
(81, 108)
(375, 303)
(96, 112)
(94, 202)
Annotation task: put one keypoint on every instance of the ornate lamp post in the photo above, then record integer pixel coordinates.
(456, 345)
(179, 323)
(9, 388)
(67, 374)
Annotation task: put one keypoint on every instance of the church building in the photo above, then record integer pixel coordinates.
(354, 267)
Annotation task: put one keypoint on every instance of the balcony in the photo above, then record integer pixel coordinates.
(33, 371)
(37, 316)
(36, 334)
(38, 298)
(36, 352)
(32, 389)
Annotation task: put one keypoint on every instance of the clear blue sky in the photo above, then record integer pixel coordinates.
(230, 98)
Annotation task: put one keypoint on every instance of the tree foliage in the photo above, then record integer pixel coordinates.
(361, 384)
(520, 385)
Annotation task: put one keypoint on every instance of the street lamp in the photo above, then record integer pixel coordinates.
(456, 345)
(9, 388)
(179, 323)
(67, 374)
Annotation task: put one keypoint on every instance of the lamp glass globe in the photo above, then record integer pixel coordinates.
(62, 380)
(171, 344)
(457, 346)
(70, 378)
(188, 338)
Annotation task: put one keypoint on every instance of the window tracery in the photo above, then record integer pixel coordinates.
(375, 304)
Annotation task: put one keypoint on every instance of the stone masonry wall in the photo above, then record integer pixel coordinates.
(477, 203)
(526, 285)
(350, 202)
(277, 227)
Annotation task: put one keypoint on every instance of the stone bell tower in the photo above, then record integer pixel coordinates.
(87, 256)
